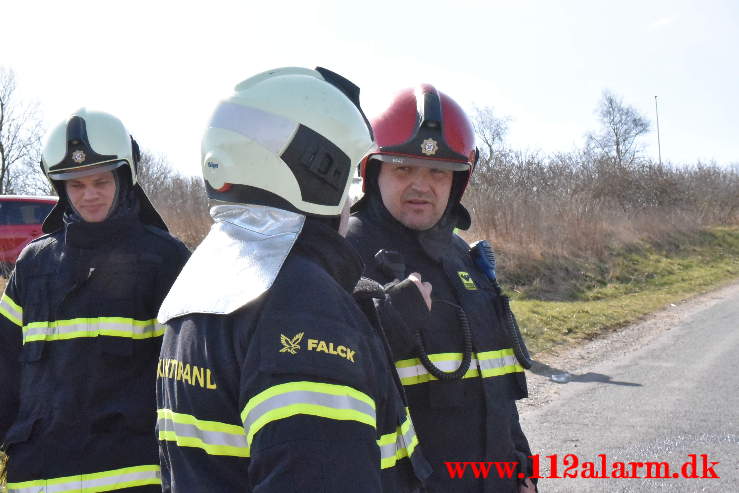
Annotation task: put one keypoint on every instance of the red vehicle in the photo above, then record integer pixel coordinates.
(20, 222)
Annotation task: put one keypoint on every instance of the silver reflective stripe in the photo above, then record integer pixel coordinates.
(216, 438)
(419, 369)
(271, 131)
(91, 327)
(507, 360)
(336, 402)
(11, 310)
(486, 364)
(402, 442)
(107, 481)
(32, 489)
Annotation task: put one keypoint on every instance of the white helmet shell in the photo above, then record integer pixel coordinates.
(88, 142)
(288, 138)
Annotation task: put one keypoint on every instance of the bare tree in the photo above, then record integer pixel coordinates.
(621, 126)
(490, 130)
(20, 142)
(154, 171)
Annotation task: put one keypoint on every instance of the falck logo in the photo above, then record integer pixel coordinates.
(291, 346)
(467, 281)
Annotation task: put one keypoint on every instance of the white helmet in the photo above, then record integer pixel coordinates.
(88, 142)
(85, 143)
(288, 138)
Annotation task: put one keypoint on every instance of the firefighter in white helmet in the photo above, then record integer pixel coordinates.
(78, 336)
(272, 377)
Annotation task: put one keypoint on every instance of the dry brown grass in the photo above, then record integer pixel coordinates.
(3, 479)
(549, 216)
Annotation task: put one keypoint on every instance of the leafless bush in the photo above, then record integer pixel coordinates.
(181, 200)
(536, 207)
(575, 206)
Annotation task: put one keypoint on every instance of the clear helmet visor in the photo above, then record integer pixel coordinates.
(403, 160)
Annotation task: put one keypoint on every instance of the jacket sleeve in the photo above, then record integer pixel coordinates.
(311, 435)
(309, 400)
(11, 322)
(523, 451)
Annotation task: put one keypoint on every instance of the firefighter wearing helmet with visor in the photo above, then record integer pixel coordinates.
(79, 339)
(274, 375)
(462, 362)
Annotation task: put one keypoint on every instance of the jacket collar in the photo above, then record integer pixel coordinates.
(331, 251)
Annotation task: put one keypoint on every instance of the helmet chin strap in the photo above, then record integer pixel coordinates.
(116, 196)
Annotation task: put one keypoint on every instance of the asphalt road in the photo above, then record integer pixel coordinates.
(676, 394)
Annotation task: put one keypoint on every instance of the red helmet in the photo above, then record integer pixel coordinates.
(423, 127)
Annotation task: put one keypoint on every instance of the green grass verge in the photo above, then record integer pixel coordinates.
(629, 284)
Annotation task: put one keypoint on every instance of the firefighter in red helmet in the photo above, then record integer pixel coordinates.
(462, 363)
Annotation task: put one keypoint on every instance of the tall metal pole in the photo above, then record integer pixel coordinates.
(659, 147)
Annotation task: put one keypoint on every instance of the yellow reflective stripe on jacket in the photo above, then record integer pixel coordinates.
(11, 310)
(401, 443)
(491, 363)
(324, 400)
(214, 437)
(128, 477)
(91, 327)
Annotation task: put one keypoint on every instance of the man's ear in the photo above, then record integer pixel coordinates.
(344, 219)
(136, 154)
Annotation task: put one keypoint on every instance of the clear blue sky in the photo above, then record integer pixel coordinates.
(161, 66)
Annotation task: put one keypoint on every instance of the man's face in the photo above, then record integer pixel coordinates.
(92, 196)
(415, 196)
